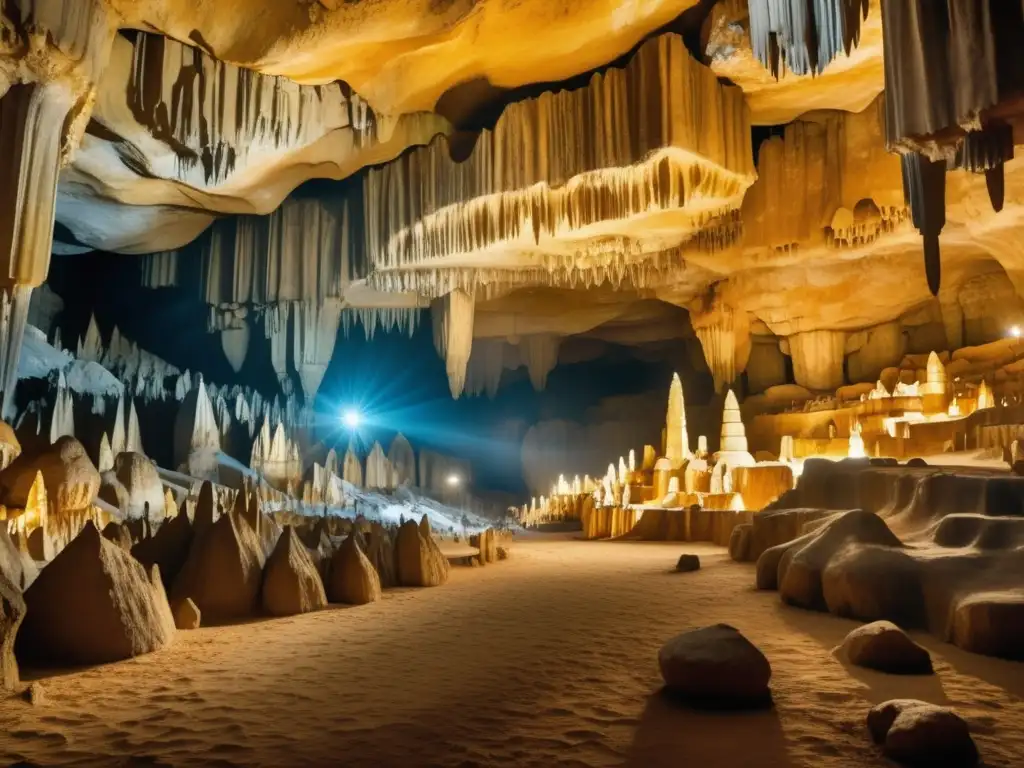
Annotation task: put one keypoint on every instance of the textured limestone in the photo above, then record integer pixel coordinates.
(419, 560)
(291, 583)
(353, 578)
(716, 666)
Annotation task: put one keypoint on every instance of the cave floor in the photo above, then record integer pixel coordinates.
(549, 658)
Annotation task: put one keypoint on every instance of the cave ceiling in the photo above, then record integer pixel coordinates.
(615, 172)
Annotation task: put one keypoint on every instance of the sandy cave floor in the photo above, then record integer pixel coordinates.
(546, 659)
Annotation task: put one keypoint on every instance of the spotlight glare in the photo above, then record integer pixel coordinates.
(453, 481)
(1015, 331)
(352, 418)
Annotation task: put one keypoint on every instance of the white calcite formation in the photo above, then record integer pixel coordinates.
(276, 457)
(453, 335)
(352, 469)
(380, 475)
(677, 441)
(732, 449)
(402, 460)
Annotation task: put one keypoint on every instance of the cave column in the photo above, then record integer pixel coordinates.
(32, 119)
(817, 358)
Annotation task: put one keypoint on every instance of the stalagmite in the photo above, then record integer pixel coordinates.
(63, 421)
(677, 442)
(379, 473)
(732, 449)
(118, 440)
(985, 399)
(352, 470)
(90, 348)
(133, 438)
(106, 457)
(452, 316)
(403, 461)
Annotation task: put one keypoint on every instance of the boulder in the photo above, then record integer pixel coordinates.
(72, 481)
(716, 666)
(353, 578)
(118, 534)
(739, 543)
(291, 583)
(15, 563)
(168, 547)
(12, 612)
(223, 571)
(420, 562)
(187, 614)
(688, 563)
(916, 733)
(883, 646)
(380, 551)
(138, 475)
(94, 604)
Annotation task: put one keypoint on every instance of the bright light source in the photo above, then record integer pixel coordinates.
(453, 481)
(1015, 331)
(352, 418)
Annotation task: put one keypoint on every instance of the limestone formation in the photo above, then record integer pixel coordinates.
(224, 570)
(139, 477)
(72, 481)
(353, 579)
(187, 615)
(16, 564)
(733, 445)
(168, 548)
(716, 667)
(380, 550)
(883, 646)
(118, 534)
(402, 460)
(12, 613)
(94, 604)
(291, 583)
(917, 733)
(677, 442)
(419, 561)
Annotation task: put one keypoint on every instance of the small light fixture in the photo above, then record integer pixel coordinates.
(453, 480)
(1015, 331)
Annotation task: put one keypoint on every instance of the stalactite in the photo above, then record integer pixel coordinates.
(724, 335)
(235, 343)
(486, 365)
(213, 114)
(948, 68)
(316, 329)
(804, 35)
(452, 318)
(387, 319)
(539, 352)
(655, 136)
(159, 270)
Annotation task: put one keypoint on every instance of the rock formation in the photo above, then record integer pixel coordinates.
(12, 613)
(717, 667)
(883, 646)
(291, 584)
(419, 560)
(94, 604)
(224, 570)
(353, 579)
(917, 733)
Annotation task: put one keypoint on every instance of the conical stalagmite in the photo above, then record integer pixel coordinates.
(677, 442)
